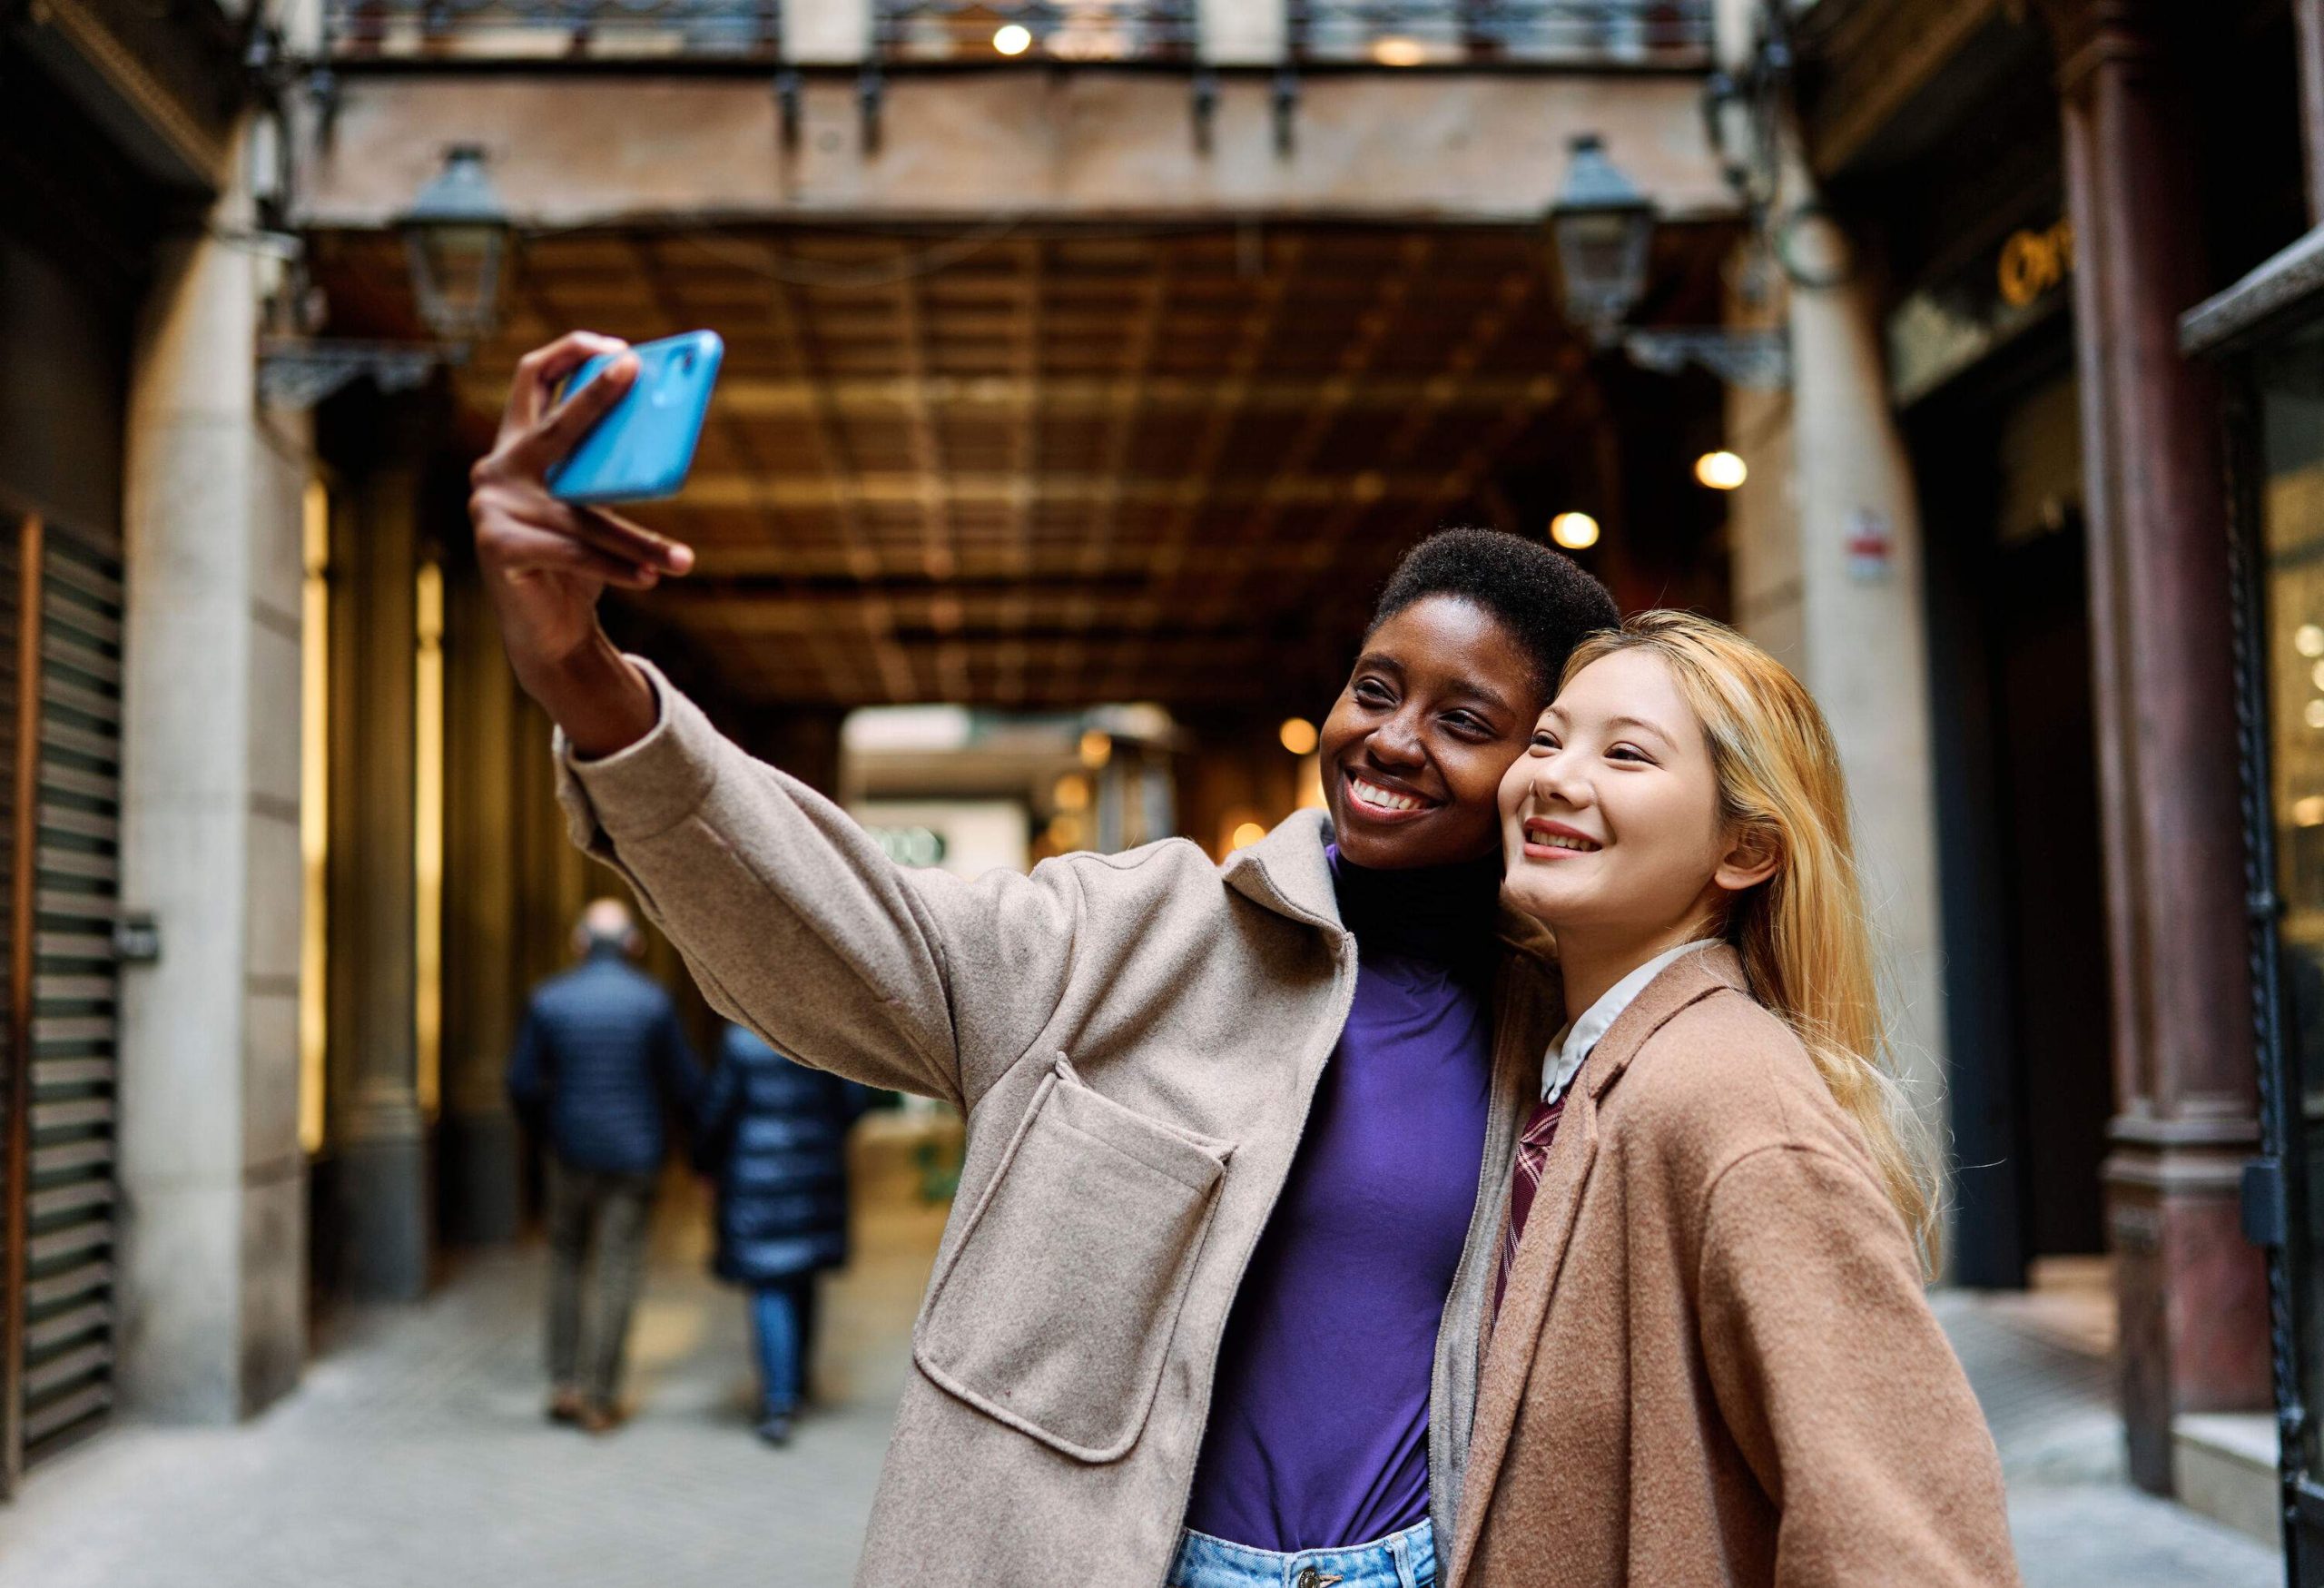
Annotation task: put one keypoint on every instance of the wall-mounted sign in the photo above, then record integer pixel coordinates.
(2032, 262)
(1951, 322)
(909, 845)
(1871, 546)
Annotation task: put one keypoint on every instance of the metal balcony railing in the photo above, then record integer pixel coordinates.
(1452, 33)
(995, 31)
(1395, 33)
(517, 30)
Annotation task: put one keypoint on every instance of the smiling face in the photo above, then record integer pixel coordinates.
(1436, 708)
(1611, 826)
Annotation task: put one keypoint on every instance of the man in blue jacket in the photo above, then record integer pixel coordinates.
(599, 1065)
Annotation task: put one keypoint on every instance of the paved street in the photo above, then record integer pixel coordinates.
(2077, 1524)
(415, 1454)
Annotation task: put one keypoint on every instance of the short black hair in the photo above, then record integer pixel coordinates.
(1544, 599)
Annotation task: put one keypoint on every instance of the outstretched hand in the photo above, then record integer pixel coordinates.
(546, 562)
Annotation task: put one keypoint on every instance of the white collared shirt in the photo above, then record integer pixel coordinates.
(1570, 1046)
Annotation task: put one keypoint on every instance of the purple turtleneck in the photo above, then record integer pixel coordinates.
(1318, 1431)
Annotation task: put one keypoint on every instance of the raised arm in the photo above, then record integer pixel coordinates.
(795, 925)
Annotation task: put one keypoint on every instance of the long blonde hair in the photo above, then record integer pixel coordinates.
(1803, 934)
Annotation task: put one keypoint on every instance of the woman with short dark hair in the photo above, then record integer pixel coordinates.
(1207, 1308)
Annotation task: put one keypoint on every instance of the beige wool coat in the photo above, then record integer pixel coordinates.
(1715, 1366)
(1133, 1040)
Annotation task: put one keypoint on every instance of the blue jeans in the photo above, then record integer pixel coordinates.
(1401, 1560)
(782, 1324)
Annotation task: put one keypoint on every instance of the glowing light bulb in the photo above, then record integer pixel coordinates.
(1574, 531)
(1721, 470)
(1013, 39)
(1248, 833)
(1298, 735)
(1396, 50)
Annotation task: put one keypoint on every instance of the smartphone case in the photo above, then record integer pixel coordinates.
(641, 450)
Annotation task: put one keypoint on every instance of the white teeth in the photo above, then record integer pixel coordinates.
(1560, 841)
(1382, 799)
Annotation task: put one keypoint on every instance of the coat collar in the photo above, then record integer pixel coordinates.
(1683, 982)
(1508, 1355)
(1288, 872)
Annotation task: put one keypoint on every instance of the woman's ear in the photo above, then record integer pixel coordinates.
(1754, 851)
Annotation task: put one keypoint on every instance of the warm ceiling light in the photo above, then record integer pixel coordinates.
(1096, 749)
(1396, 50)
(1574, 531)
(2309, 812)
(1248, 833)
(2308, 641)
(1721, 470)
(1298, 735)
(1013, 39)
(1071, 792)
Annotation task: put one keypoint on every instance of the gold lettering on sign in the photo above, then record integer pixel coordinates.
(2032, 263)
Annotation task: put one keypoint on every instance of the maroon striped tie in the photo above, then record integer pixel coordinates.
(1524, 1180)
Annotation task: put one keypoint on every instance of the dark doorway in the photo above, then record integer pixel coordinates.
(2022, 885)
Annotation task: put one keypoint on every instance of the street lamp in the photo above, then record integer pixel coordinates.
(455, 237)
(1602, 226)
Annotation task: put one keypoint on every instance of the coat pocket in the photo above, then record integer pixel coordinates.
(1055, 1310)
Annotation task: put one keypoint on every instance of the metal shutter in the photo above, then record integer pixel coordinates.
(62, 681)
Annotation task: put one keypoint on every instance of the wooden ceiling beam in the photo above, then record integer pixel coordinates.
(1277, 261)
(892, 670)
(1026, 463)
(1189, 495)
(824, 657)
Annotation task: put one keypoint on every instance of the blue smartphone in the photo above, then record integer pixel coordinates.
(641, 450)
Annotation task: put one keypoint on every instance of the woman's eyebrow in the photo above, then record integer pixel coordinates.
(1484, 694)
(1641, 723)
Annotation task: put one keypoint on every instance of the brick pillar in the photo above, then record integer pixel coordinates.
(2192, 1293)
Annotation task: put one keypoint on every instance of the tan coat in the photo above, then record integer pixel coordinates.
(1134, 1039)
(1715, 1364)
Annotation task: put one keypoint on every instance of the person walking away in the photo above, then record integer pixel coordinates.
(599, 1065)
(1711, 1359)
(773, 1135)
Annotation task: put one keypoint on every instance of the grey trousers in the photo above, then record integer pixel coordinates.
(586, 1208)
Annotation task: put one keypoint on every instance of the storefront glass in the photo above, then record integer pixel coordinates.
(2288, 487)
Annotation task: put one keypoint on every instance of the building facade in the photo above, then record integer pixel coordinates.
(2038, 195)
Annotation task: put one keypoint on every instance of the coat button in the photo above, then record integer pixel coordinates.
(1309, 1578)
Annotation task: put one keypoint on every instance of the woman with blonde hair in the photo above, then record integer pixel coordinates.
(1709, 1359)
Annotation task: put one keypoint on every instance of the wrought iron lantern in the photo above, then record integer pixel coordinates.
(1602, 227)
(457, 237)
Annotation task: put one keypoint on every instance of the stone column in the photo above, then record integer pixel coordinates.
(826, 33)
(1242, 33)
(213, 1281)
(378, 1134)
(1828, 576)
(483, 981)
(2192, 1293)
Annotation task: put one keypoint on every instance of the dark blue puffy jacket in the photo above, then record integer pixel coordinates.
(775, 1134)
(600, 1064)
